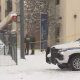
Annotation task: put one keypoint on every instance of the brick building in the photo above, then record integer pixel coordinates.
(32, 11)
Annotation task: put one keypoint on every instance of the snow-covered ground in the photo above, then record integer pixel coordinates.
(34, 67)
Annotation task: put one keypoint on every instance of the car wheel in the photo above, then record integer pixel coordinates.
(74, 63)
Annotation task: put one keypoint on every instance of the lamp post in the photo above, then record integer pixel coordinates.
(22, 28)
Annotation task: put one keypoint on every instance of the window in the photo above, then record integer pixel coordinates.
(9, 6)
(57, 2)
(8, 9)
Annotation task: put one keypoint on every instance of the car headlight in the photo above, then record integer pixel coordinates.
(49, 55)
(62, 53)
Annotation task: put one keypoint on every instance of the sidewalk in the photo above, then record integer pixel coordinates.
(33, 67)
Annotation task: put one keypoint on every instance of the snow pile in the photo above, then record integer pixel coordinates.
(34, 67)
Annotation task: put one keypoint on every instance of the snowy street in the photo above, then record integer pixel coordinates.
(34, 67)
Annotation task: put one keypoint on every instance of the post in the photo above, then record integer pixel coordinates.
(22, 28)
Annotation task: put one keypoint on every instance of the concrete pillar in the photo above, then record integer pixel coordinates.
(52, 18)
(2, 9)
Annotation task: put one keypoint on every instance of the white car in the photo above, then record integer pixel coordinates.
(65, 55)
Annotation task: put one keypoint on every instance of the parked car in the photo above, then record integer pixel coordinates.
(65, 55)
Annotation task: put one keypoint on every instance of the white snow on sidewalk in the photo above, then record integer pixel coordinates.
(34, 67)
(6, 60)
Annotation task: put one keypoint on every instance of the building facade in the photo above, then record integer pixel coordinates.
(7, 7)
(0, 10)
(64, 21)
(32, 13)
(63, 18)
(70, 13)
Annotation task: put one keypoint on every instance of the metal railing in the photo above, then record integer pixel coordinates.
(8, 48)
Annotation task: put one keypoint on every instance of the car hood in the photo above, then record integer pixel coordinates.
(67, 45)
